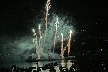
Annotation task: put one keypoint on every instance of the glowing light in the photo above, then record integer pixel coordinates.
(47, 8)
(69, 42)
(62, 51)
(35, 41)
(39, 27)
(61, 34)
(70, 31)
(48, 33)
(40, 31)
(55, 33)
(33, 30)
(69, 64)
(101, 49)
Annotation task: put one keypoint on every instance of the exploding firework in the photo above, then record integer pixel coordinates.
(56, 30)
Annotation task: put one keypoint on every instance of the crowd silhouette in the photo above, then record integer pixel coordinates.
(49, 66)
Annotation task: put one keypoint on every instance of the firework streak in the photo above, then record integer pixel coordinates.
(47, 9)
(35, 41)
(62, 51)
(56, 24)
(40, 35)
(69, 43)
(50, 32)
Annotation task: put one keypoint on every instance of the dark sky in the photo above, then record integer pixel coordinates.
(16, 16)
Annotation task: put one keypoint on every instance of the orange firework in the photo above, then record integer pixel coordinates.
(47, 8)
(69, 43)
(68, 47)
(55, 33)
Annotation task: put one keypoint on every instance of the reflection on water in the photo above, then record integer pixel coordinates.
(66, 64)
(63, 63)
(69, 64)
(80, 65)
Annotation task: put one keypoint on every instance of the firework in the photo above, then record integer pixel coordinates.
(63, 64)
(40, 35)
(35, 41)
(69, 42)
(62, 51)
(47, 9)
(56, 24)
(50, 36)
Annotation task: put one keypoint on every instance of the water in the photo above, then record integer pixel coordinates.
(63, 63)
(81, 64)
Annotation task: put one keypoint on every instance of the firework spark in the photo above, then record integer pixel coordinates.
(49, 36)
(56, 24)
(47, 10)
(35, 41)
(62, 51)
(40, 35)
(69, 42)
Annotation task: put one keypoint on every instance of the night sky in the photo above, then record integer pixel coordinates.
(17, 18)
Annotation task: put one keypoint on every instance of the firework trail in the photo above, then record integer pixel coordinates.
(40, 43)
(63, 64)
(47, 9)
(40, 35)
(56, 24)
(46, 18)
(69, 42)
(62, 51)
(35, 41)
(37, 51)
(34, 36)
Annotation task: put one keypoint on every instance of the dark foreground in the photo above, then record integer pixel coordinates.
(81, 64)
